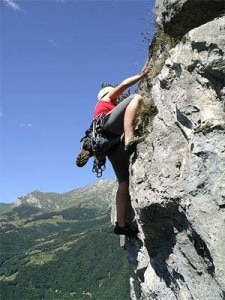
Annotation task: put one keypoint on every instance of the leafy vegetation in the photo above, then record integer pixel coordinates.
(68, 254)
(146, 114)
(4, 207)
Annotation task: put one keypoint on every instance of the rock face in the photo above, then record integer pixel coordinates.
(178, 173)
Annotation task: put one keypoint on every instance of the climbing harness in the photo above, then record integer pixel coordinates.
(97, 143)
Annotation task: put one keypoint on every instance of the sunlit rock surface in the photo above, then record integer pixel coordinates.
(178, 173)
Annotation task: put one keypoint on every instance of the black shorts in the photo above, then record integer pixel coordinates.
(114, 121)
(119, 159)
(114, 124)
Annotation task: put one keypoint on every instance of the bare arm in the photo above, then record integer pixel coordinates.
(126, 83)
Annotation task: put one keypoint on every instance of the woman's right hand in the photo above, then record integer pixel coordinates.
(146, 69)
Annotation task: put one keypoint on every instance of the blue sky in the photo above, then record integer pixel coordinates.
(54, 56)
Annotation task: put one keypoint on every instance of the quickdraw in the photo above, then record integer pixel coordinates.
(97, 142)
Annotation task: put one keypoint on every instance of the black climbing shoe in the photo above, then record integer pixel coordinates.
(126, 230)
(85, 153)
(82, 158)
(133, 142)
(87, 144)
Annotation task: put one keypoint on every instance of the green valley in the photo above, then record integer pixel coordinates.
(67, 253)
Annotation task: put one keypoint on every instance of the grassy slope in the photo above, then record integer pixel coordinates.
(62, 255)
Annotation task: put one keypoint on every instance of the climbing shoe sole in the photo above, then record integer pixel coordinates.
(82, 158)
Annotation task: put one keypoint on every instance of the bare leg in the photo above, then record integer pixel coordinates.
(130, 117)
(122, 201)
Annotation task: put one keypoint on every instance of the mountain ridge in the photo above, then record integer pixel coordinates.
(52, 201)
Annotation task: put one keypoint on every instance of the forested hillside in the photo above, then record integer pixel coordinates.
(61, 254)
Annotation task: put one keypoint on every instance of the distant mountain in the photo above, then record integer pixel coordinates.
(61, 246)
(83, 197)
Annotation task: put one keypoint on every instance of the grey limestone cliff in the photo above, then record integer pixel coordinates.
(178, 173)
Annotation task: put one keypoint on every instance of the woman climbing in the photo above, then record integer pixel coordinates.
(119, 120)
